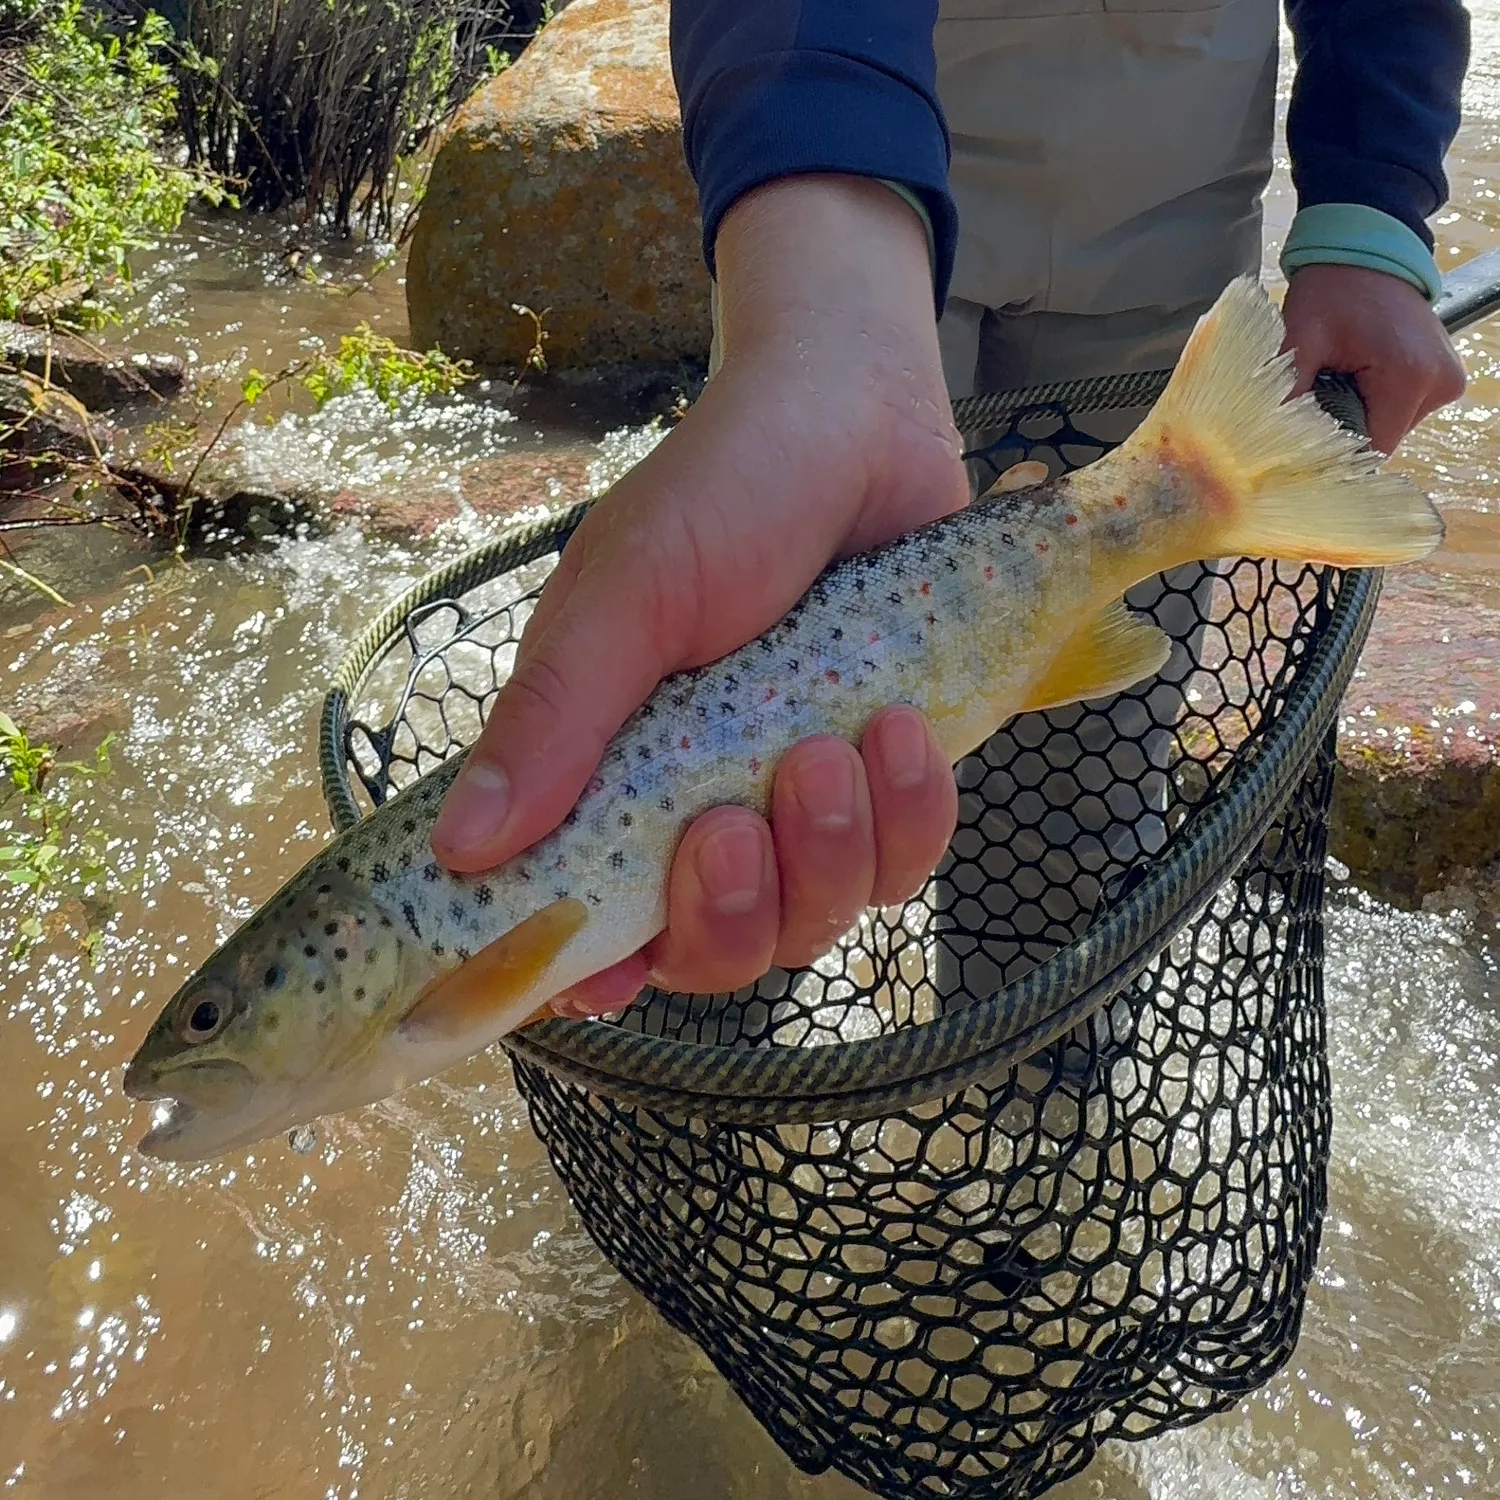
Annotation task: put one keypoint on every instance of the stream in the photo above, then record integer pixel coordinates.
(413, 1309)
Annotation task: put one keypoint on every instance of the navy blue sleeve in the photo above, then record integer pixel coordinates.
(775, 88)
(1376, 103)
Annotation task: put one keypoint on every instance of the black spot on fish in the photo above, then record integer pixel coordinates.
(341, 954)
(329, 928)
(647, 711)
(701, 709)
(379, 875)
(343, 863)
(1007, 539)
(594, 900)
(483, 895)
(838, 633)
(795, 664)
(410, 913)
(626, 820)
(731, 681)
(630, 791)
(359, 921)
(932, 619)
(726, 707)
(438, 950)
(679, 700)
(456, 911)
(643, 751)
(385, 921)
(319, 986)
(370, 954)
(667, 804)
(560, 893)
(463, 955)
(430, 871)
(323, 890)
(310, 951)
(359, 994)
(859, 585)
(894, 596)
(410, 825)
(406, 860)
(274, 975)
(617, 860)
(951, 563)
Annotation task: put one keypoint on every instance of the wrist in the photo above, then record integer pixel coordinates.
(804, 253)
(1353, 234)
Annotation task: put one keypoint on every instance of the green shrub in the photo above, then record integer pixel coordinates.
(83, 177)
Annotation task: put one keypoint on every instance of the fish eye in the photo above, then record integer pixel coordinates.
(204, 1021)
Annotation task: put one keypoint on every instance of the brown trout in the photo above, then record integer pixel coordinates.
(374, 967)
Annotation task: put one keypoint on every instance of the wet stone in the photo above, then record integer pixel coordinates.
(562, 186)
(1417, 788)
(98, 377)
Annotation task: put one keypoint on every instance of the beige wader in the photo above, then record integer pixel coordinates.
(1108, 162)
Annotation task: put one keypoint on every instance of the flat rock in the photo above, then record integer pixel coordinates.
(1417, 789)
(99, 378)
(562, 186)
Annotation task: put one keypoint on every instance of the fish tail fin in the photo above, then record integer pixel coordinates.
(1276, 478)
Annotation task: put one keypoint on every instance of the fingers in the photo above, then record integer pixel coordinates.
(851, 830)
(825, 846)
(723, 904)
(1381, 331)
(915, 800)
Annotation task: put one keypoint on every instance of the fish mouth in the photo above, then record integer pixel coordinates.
(202, 1109)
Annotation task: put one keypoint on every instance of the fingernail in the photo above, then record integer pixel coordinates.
(903, 750)
(823, 787)
(476, 808)
(730, 865)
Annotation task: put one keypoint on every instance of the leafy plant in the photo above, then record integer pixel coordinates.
(83, 175)
(42, 853)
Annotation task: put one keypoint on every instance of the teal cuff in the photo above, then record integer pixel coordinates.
(907, 196)
(1353, 234)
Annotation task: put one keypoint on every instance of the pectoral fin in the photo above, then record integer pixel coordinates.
(1112, 652)
(485, 986)
(1025, 475)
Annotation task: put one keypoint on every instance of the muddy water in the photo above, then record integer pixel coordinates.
(412, 1309)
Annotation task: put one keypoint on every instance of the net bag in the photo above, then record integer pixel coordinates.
(1035, 1161)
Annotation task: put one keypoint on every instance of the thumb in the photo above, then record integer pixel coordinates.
(591, 666)
(1310, 353)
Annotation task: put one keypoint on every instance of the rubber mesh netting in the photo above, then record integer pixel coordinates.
(1115, 1237)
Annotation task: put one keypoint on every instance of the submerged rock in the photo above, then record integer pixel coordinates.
(562, 186)
(42, 431)
(1417, 789)
(99, 378)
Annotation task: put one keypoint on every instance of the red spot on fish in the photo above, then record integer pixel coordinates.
(989, 573)
(1121, 501)
(926, 588)
(1071, 519)
(770, 694)
(1043, 547)
(754, 765)
(832, 676)
(685, 743)
(874, 637)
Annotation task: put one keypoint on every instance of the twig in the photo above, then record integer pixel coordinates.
(31, 578)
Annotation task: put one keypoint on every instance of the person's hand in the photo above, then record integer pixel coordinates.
(1382, 332)
(826, 431)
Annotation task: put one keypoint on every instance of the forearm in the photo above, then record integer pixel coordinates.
(1375, 106)
(792, 88)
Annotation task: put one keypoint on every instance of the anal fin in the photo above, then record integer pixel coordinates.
(1114, 651)
(499, 975)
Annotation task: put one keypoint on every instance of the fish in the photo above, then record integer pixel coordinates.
(375, 967)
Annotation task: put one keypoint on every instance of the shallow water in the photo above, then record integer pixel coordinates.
(412, 1308)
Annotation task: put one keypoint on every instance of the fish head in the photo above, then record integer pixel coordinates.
(292, 1018)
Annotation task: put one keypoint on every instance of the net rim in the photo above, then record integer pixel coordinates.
(931, 1059)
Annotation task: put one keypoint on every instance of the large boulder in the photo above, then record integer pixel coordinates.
(562, 186)
(1417, 791)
